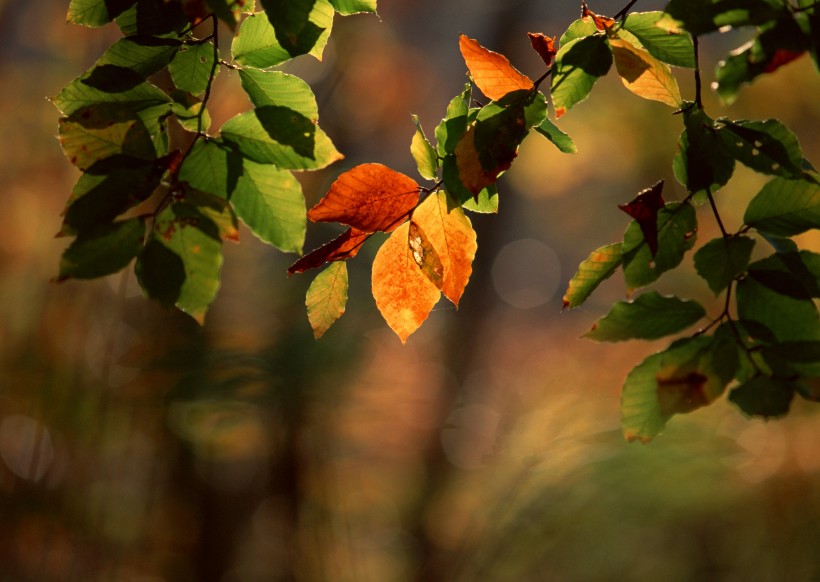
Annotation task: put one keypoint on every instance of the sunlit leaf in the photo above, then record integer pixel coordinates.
(560, 139)
(212, 166)
(602, 23)
(278, 88)
(643, 74)
(326, 298)
(301, 26)
(451, 235)
(768, 147)
(423, 152)
(649, 316)
(722, 259)
(578, 65)
(764, 396)
(785, 207)
(675, 49)
(256, 45)
(578, 29)
(492, 72)
(485, 203)
(454, 124)
(403, 293)
(96, 12)
(193, 66)
(596, 268)
(102, 250)
(354, 6)
(189, 112)
(544, 46)
(425, 254)
(677, 233)
(78, 95)
(369, 197)
(345, 246)
(144, 55)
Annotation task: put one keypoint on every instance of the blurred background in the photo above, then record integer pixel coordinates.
(137, 446)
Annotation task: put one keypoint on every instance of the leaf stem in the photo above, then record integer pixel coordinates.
(716, 213)
(623, 11)
(698, 100)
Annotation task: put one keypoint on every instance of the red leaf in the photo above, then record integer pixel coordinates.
(544, 46)
(369, 197)
(780, 58)
(644, 209)
(601, 22)
(341, 248)
(492, 72)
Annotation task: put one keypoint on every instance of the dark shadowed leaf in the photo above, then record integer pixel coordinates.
(578, 65)
(790, 319)
(301, 26)
(722, 259)
(702, 16)
(644, 209)
(675, 49)
(701, 163)
(345, 246)
(103, 250)
(786, 207)
(764, 396)
(153, 18)
(768, 147)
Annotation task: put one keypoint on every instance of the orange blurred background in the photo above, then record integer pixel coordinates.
(135, 445)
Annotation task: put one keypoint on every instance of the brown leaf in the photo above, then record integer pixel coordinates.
(403, 293)
(544, 46)
(601, 22)
(369, 197)
(492, 72)
(451, 234)
(644, 209)
(343, 247)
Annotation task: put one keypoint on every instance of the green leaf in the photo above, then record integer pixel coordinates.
(485, 203)
(788, 359)
(785, 207)
(278, 135)
(212, 166)
(677, 228)
(423, 152)
(153, 18)
(326, 297)
(768, 147)
(560, 139)
(701, 163)
(187, 109)
(649, 316)
(96, 12)
(788, 273)
(703, 16)
(138, 56)
(278, 88)
(764, 396)
(596, 268)
(789, 318)
(103, 250)
(353, 6)
(181, 263)
(192, 67)
(675, 49)
(301, 26)
(722, 259)
(271, 203)
(78, 95)
(578, 29)
(227, 10)
(255, 44)
(454, 124)
(578, 65)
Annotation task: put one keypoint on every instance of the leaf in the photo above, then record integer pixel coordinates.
(602, 23)
(723, 259)
(578, 29)
(578, 65)
(764, 396)
(675, 49)
(544, 46)
(649, 316)
(369, 197)
(192, 67)
(485, 203)
(492, 72)
(103, 250)
(560, 139)
(702, 16)
(768, 147)
(790, 319)
(643, 74)
(403, 293)
(354, 6)
(701, 163)
(326, 298)
(212, 166)
(152, 18)
(78, 95)
(644, 209)
(423, 152)
(301, 26)
(790, 359)
(255, 44)
(189, 112)
(596, 268)
(271, 203)
(785, 207)
(451, 235)
(140, 55)
(425, 255)
(181, 263)
(677, 233)
(96, 12)
(454, 124)
(343, 247)
(228, 10)
(789, 273)
(278, 135)
(278, 88)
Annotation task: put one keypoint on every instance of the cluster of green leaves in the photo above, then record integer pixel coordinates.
(170, 205)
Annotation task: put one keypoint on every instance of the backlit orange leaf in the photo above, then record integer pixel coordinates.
(403, 293)
(544, 46)
(492, 72)
(452, 236)
(474, 177)
(343, 247)
(369, 197)
(643, 74)
(601, 22)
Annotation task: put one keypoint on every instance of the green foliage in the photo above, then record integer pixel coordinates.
(170, 204)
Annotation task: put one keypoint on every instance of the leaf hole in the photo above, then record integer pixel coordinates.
(755, 151)
(758, 143)
(202, 60)
(775, 166)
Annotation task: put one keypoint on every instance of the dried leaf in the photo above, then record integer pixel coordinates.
(544, 46)
(345, 246)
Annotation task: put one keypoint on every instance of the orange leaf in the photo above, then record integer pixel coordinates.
(403, 293)
(491, 71)
(601, 22)
(544, 46)
(472, 174)
(452, 236)
(369, 197)
(343, 247)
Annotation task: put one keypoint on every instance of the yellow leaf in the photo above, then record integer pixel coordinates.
(645, 75)
(403, 293)
(452, 236)
(327, 297)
